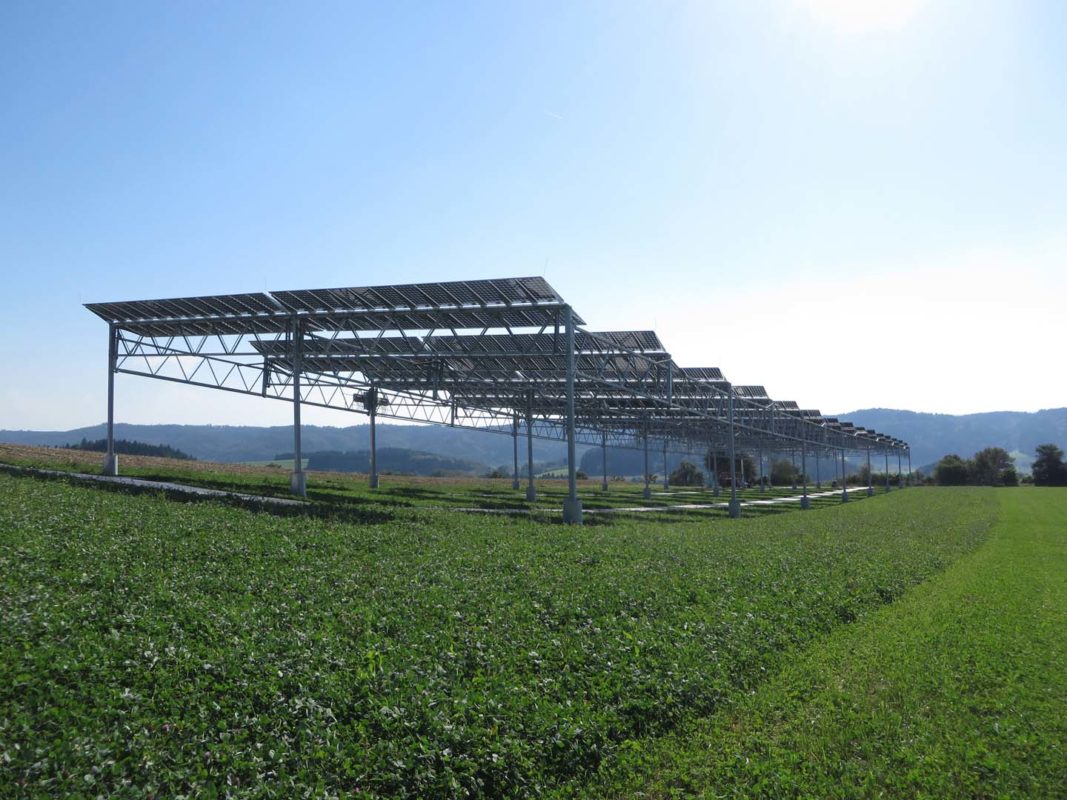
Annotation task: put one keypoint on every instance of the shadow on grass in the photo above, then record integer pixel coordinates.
(359, 516)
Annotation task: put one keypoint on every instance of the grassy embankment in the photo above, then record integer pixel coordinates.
(957, 691)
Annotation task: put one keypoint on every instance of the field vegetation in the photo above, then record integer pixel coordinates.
(152, 648)
(957, 691)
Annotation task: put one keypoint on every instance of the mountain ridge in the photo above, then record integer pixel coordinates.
(930, 435)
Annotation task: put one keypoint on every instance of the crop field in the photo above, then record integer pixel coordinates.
(154, 648)
(348, 492)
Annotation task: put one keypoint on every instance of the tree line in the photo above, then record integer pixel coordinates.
(994, 466)
(127, 447)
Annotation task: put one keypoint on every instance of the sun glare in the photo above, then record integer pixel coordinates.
(861, 16)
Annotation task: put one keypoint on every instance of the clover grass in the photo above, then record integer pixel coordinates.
(151, 648)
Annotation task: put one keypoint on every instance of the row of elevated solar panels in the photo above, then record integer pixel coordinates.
(514, 302)
(461, 364)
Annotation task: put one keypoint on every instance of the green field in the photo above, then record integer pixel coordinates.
(154, 648)
(347, 493)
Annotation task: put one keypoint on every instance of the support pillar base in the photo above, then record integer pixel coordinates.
(111, 464)
(870, 492)
(515, 483)
(298, 483)
(572, 511)
(646, 493)
(805, 503)
(844, 496)
(373, 482)
(604, 485)
(531, 493)
(734, 509)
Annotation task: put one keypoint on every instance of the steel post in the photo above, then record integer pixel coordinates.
(297, 478)
(900, 477)
(887, 470)
(531, 488)
(870, 486)
(604, 459)
(572, 506)
(762, 482)
(666, 475)
(111, 459)
(647, 492)
(373, 395)
(515, 448)
(735, 505)
(805, 501)
(844, 478)
(716, 490)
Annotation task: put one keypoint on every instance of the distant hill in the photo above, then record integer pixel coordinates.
(932, 436)
(397, 460)
(231, 443)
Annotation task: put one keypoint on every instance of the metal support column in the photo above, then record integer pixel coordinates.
(372, 399)
(572, 506)
(735, 505)
(818, 477)
(762, 482)
(805, 501)
(531, 489)
(647, 491)
(909, 468)
(887, 470)
(900, 477)
(666, 475)
(844, 478)
(297, 478)
(515, 448)
(716, 490)
(793, 461)
(604, 459)
(870, 487)
(111, 459)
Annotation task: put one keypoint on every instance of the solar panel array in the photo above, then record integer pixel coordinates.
(494, 350)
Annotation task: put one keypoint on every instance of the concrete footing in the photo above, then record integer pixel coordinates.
(298, 483)
(531, 493)
(805, 503)
(111, 464)
(514, 483)
(374, 481)
(572, 512)
(735, 509)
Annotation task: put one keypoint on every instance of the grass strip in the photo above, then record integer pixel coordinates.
(958, 690)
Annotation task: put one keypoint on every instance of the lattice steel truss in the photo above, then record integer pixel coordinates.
(492, 354)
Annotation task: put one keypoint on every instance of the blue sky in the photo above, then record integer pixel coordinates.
(854, 208)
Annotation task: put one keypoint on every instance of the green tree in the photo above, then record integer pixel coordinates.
(1049, 469)
(952, 471)
(990, 465)
(686, 474)
(745, 465)
(783, 473)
